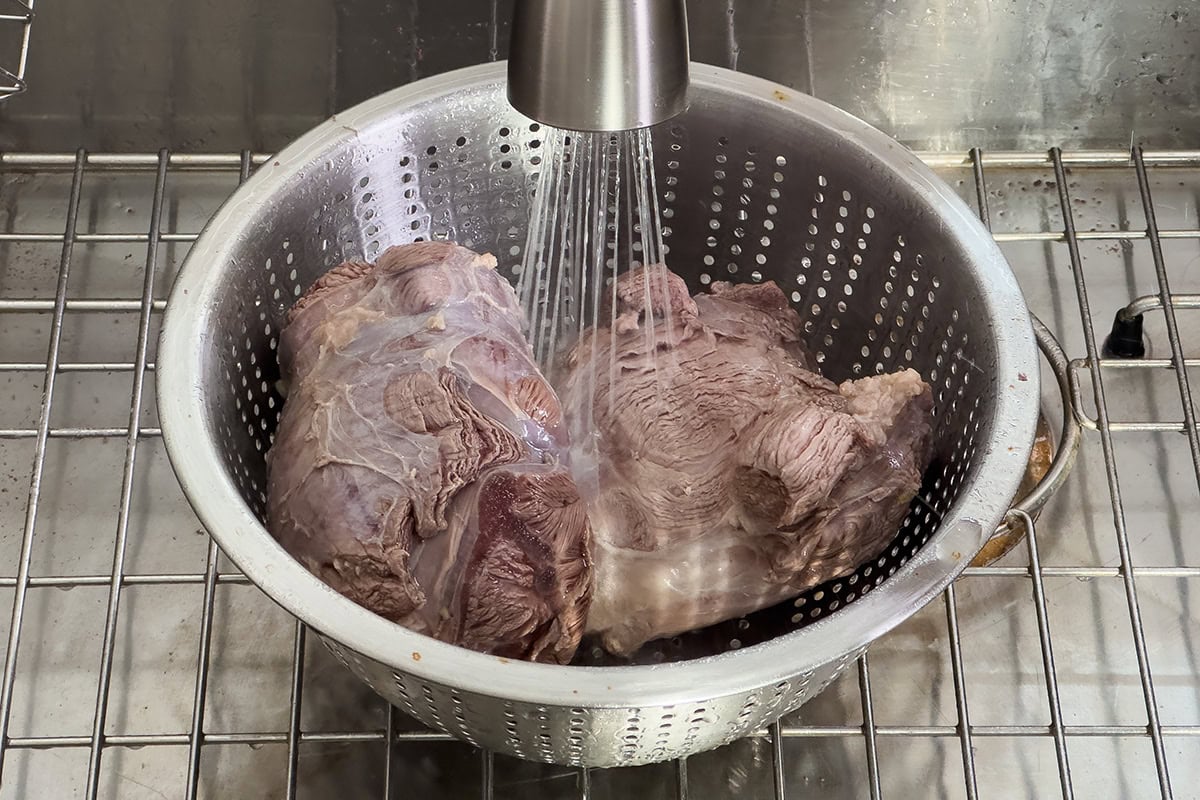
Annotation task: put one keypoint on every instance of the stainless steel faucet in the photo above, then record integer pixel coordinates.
(599, 65)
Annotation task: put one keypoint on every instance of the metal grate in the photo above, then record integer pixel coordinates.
(16, 24)
(1069, 667)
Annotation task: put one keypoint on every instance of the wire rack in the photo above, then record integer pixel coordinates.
(140, 663)
(16, 23)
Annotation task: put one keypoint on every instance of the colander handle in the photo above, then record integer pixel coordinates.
(1028, 506)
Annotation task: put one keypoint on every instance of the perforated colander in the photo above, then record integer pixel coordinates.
(887, 267)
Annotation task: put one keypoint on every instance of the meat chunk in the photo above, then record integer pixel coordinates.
(723, 475)
(419, 463)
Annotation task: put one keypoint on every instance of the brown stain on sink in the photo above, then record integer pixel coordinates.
(1007, 535)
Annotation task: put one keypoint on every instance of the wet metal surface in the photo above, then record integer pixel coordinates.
(205, 696)
(890, 727)
(224, 74)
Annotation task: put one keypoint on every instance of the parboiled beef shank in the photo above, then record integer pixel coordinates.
(419, 463)
(722, 473)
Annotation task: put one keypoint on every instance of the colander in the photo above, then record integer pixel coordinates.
(886, 265)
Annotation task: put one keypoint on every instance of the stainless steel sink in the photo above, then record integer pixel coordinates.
(209, 690)
(213, 75)
(196, 650)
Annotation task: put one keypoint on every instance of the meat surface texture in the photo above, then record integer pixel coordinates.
(419, 463)
(722, 473)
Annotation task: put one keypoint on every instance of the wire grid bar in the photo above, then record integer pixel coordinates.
(1106, 442)
(999, 236)
(1186, 426)
(785, 732)
(1035, 567)
(231, 162)
(158, 168)
(212, 578)
(12, 78)
(92, 787)
(75, 433)
(238, 579)
(7, 682)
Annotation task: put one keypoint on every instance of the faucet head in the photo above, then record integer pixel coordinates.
(599, 65)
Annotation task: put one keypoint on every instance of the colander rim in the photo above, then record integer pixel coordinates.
(191, 446)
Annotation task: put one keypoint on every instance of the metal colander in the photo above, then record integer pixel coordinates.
(885, 264)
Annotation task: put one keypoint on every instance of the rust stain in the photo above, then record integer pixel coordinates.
(781, 96)
(416, 656)
(956, 555)
(502, 660)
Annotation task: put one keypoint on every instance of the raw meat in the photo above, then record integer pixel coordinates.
(418, 467)
(724, 475)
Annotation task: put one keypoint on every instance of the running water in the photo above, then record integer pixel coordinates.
(594, 215)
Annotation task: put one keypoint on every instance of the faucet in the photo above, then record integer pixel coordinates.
(599, 65)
